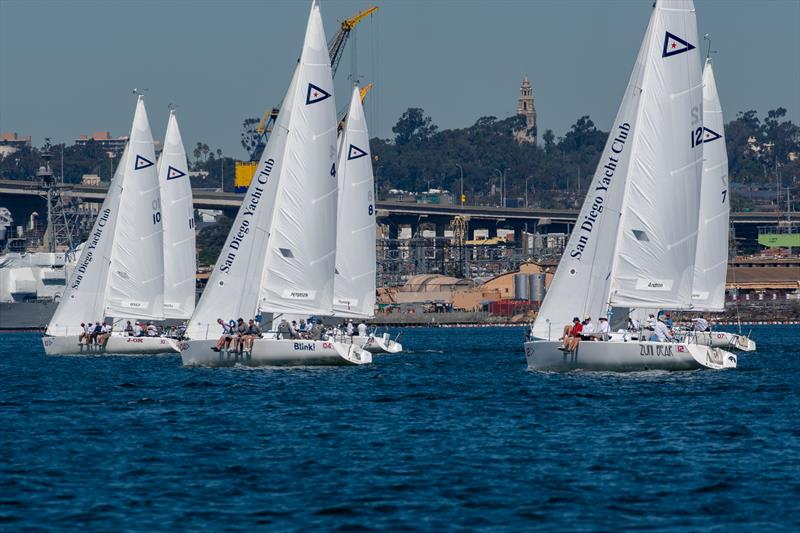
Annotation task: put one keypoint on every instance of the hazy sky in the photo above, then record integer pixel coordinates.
(68, 67)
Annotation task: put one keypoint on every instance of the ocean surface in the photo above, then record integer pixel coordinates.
(455, 434)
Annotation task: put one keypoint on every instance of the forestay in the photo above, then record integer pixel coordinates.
(354, 282)
(711, 263)
(177, 217)
(657, 240)
(136, 276)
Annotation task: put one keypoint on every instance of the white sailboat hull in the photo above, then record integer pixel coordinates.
(725, 339)
(620, 356)
(276, 352)
(377, 345)
(116, 345)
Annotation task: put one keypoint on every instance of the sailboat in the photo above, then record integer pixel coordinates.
(634, 243)
(354, 280)
(280, 254)
(177, 212)
(711, 264)
(120, 271)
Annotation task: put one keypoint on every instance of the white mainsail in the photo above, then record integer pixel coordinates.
(354, 282)
(177, 217)
(642, 156)
(136, 275)
(301, 249)
(657, 239)
(84, 298)
(284, 234)
(711, 263)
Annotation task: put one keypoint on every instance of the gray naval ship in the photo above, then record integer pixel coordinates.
(31, 282)
(34, 272)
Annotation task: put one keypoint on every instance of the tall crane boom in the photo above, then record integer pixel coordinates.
(335, 51)
(336, 45)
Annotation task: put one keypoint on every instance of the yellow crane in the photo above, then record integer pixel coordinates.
(335, 51)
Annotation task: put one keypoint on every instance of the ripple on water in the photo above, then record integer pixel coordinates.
(453, 434)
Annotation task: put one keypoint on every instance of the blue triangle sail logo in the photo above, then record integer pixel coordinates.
(141, 162)
(674, 45)
(173, 173)
(316, 94)
(355, 152)
(710, 135)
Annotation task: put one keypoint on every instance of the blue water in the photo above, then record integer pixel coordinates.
(455, 434)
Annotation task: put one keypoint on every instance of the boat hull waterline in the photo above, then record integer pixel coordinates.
(275, 352)
(626, 356)
(116, 345)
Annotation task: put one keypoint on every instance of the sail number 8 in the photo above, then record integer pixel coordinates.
(370, 210)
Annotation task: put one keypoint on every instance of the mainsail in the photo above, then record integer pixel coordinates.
(177, 217)
(280, 253)
(638, 221)
(136, 275)
(711, 263)
(301, 249)
(657, 239)
(354, 282)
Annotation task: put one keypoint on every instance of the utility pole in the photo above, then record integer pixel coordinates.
(461, 198)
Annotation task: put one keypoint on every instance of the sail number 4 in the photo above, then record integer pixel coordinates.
(656, 351)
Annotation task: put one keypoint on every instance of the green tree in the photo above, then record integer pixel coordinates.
(413, 125)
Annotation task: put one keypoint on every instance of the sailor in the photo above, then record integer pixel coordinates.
(588, 328)
(284, 331)
(253, 333)
(137, 330)
(701, 324)
(661, 332)
(293, 330)
(651, 322)
(574, 336)
(350, 329)
(604, 328)
(102, 339)
(129, 329)
(239, 335)
(362, 329)
(152, 331)
(225, 339)
(83, 333)
(668, 321)
(633, 324)
(98, 329)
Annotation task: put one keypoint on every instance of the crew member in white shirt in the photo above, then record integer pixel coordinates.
(700, 324)
(604, 328)
(362, 329)
(661, 332)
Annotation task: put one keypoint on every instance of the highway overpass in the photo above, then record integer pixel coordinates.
(23, 197)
